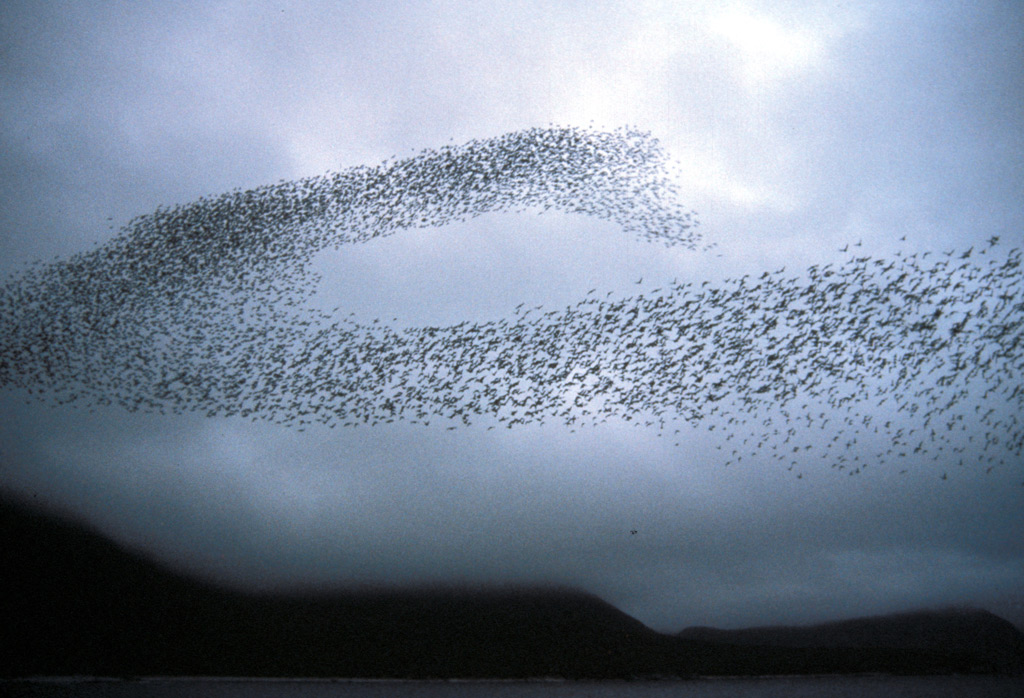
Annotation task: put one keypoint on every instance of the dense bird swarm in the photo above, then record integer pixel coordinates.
(203, 307)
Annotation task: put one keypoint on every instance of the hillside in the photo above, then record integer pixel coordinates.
(987, 638)
(73, 603)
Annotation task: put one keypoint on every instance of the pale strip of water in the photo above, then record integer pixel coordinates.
(774, 687)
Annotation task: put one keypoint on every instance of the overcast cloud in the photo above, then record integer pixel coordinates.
(796, 128)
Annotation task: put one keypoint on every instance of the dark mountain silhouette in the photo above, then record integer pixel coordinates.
(73, 603)
(988, 638)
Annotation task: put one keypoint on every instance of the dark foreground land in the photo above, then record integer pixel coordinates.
(73, 603)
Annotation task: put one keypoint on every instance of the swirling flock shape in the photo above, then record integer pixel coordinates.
(203, 307)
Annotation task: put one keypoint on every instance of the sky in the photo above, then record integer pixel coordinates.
(794, 130)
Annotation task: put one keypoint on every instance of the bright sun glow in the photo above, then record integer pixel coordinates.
(769, 49)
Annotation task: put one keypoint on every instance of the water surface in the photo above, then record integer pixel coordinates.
(786, 687)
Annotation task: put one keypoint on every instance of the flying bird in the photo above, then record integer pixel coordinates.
(204, 308)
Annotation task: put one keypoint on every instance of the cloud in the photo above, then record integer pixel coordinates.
(889, 120)
(769, 50)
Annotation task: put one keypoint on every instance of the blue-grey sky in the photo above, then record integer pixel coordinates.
(795, 129)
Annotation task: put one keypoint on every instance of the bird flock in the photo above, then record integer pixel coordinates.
(205, 307)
